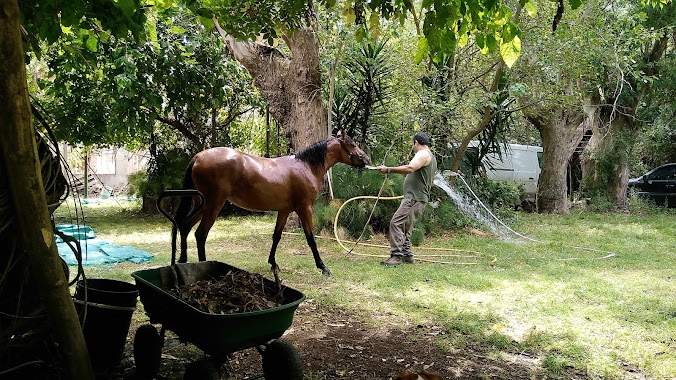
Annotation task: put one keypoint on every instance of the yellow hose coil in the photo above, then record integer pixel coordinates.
(351, 251)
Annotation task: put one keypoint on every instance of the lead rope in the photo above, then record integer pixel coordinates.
(382, 186)
(377, 198)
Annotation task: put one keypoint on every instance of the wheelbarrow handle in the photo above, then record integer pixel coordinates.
(180, 193)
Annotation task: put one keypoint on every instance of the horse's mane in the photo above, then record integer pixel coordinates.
(314, 155)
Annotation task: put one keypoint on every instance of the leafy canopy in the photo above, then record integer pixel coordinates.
(114, 95)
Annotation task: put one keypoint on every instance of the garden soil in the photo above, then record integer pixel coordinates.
(337, 344)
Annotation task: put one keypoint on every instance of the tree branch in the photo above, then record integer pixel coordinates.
(179, 126)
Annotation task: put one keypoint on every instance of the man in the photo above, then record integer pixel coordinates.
(417, 185)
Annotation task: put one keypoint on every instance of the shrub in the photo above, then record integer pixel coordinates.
(165, 171)
(348, 183)
(441, 215)
(496, 194)
(417, 236)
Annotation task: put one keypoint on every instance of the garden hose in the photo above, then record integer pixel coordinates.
(438, 178)
(607, 254)
(417, 257)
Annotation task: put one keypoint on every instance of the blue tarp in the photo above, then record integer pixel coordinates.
(96, 251)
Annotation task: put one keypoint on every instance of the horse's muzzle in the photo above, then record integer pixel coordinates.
(365, 160)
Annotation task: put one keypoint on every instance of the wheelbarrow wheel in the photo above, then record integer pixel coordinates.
(147, 351)
(281, 361)
(201, 370)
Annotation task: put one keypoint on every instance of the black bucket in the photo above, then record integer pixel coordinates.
(110, 305)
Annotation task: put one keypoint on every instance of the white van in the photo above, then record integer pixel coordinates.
(518, 163)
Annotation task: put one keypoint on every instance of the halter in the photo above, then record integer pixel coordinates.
(350, 154)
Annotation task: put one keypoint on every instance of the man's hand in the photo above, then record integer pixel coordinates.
(383, 169)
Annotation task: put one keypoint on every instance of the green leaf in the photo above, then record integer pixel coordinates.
(359, 34)
(489, 5)
(423, 50)
(490, 42)
(349, 15)
(480, 40)
(177, 30)
(509, 32)
(128, 7)
(52, 30)
(165, 4)
(510, 51)
(92, 43)
(207, 22)
(462, 41)
(531, 9)
(70, 15)
(374, 20)
(574, 4)
(152, 32)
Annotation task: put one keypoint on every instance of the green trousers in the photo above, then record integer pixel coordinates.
(401, 226)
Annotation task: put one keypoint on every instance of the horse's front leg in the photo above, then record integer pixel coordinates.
(306, 220)
(282, 216)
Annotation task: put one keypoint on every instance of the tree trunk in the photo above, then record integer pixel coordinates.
(587, 159)
(483, 123)
(609, 162)
(21, 165)
(291, 86)
(606, 160)
(561, 132)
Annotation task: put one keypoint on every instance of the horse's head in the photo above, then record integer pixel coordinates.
(353, 155)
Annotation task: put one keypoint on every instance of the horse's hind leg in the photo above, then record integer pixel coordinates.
(282, 216)
(184, 230)
(209, 215)
(305, 215)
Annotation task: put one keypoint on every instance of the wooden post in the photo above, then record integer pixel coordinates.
(21, 165)
(267, 131)
(86, 173)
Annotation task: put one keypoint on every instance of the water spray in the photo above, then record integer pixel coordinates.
(441, 183)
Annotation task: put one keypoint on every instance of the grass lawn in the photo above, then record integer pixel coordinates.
(610, 318)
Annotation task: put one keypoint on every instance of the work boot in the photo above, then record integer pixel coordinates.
(408, 259)
(393, 260)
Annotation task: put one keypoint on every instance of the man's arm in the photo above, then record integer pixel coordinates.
(421, 158)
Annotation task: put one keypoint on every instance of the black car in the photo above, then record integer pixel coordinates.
(658, 185)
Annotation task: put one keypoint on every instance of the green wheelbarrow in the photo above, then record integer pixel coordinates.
(217, 335)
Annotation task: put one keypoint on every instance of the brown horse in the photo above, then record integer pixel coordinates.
(283, 184)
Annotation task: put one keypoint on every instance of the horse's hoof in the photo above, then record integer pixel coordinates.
(327, 272)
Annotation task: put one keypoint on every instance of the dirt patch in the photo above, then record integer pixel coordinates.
(336, 344)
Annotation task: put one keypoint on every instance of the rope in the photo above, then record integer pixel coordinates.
(608, 254)
(368, 220)
(418, 257)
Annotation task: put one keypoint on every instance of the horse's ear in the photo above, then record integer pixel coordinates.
(343, 134)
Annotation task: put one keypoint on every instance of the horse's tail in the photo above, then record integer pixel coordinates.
(184, 207)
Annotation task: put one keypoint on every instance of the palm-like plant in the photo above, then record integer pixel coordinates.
(363, 100)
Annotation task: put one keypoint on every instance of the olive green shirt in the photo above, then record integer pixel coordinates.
(418, 184)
